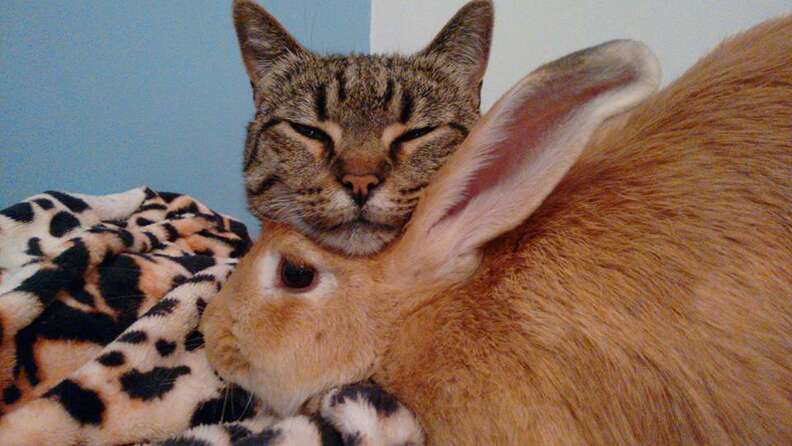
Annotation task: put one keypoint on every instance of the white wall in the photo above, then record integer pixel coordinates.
(530, 33)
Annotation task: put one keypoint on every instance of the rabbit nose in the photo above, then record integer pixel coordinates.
(360, 186)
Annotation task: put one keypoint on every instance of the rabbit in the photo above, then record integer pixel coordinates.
(599, 263)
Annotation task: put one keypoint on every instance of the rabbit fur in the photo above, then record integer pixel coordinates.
(597, 264)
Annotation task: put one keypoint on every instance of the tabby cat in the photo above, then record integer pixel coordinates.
(341, 146)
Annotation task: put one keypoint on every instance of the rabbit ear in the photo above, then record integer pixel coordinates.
(520, 150)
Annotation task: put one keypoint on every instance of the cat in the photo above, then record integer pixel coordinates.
(341, 146)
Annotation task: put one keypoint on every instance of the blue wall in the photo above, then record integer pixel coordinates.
(102, 96)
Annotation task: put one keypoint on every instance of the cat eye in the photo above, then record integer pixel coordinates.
(409, 135)
(297, 276)
(311, 132)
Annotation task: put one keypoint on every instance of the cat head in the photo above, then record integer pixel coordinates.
(342, 146)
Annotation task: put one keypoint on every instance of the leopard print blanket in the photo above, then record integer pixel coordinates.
(100, 299)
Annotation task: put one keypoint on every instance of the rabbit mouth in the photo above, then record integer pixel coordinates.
(223, 351)
(227, 359)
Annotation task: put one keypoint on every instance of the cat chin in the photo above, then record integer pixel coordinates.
(355, 240)
(358, 242)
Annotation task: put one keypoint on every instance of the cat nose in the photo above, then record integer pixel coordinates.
(360, 186)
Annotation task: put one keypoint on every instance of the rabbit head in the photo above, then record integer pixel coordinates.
(296, 319)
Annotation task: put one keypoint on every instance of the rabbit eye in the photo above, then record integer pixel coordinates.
(297, 276)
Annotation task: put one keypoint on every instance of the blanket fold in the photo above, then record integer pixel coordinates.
(100, 303)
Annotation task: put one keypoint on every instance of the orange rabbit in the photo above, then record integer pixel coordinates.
(563, 281)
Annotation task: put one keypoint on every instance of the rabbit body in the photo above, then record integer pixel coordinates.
(649, 299)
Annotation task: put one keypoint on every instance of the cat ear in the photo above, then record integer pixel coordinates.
(463, 45)
(517, 154)
(262, 39)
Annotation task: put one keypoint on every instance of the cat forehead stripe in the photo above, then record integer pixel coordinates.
(406, 106)
(320, 103)
(388, 95)
(341, 81)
